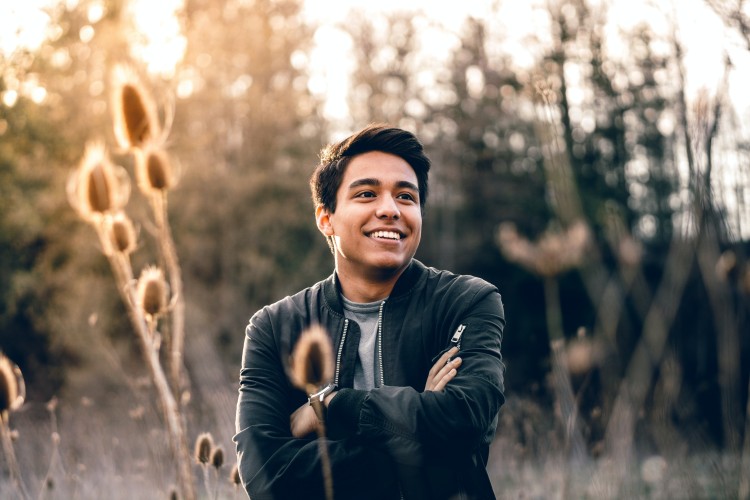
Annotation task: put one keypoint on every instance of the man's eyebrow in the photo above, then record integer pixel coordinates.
(376, 182)
(408, 185)
(364, 182)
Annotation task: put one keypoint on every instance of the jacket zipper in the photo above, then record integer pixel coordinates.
(341, 350)
(380, 343)
(456, 339)
(380, 364)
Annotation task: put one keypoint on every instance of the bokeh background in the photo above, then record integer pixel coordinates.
(591, 159)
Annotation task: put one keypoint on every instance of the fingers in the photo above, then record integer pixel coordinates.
(447, 373)
(439, 379)
(440, 363)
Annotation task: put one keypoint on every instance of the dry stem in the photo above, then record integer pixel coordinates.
(10, 456)
(176, 341)
(325, 460)
(173, 418)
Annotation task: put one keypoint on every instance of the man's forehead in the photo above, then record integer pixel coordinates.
(377, 167)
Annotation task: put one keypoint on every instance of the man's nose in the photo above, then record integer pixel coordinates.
(387, 208)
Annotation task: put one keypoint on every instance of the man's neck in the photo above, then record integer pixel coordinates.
(364, 289)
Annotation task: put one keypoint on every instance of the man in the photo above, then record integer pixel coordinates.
(404, 417)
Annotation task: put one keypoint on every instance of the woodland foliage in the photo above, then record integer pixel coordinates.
(608, 206)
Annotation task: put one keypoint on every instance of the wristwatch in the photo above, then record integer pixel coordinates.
(321, 395)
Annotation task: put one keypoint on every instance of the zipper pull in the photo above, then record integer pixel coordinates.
(456, 339)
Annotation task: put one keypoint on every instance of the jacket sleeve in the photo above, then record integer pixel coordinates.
(417, 427)
(274, 464)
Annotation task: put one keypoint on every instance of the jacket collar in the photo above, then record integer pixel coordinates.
(407, 280)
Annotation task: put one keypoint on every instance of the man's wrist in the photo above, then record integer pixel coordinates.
(322, 394)
(329, 397)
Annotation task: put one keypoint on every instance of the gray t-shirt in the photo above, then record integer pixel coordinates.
(366, 316)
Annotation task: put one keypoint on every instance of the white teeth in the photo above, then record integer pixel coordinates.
(391, 235)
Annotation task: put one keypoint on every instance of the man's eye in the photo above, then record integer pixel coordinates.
(407, 196)
(365, 194)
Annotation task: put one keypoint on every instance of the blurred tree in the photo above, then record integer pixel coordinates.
(735, 15)
(383, 83)
(25, 232)
(47, 319)
(489, 172)
(615, 121)
(247, 133)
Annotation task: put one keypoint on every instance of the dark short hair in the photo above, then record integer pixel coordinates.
(327, 177)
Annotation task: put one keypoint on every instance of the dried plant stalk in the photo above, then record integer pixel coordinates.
(312, 360)
(143, 305)
(312, 367)
(203, 444)
(138, 130)
(154, 171)
(152, 292)
(120, 234)
(98, 188)
(134, 110)
(12, 395)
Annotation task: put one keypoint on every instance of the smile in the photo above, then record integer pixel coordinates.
(388, 235)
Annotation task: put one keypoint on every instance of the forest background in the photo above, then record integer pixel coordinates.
(606, 202)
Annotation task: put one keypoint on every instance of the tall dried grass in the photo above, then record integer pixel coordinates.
(99, 191)
(312, 368)
(608, 469)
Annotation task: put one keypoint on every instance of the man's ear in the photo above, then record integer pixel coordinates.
(323, 219)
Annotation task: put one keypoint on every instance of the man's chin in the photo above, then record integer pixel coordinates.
(389, 267)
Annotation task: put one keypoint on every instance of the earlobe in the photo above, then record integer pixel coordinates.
(323, 219)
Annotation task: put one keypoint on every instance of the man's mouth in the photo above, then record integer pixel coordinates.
(387, 235)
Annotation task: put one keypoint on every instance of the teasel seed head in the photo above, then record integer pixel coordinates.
(234, 475)
(135, 120)
(203, 445)
(217, 457)
(312, 360)
(120, 234)
(726, 265)
(153, 170)
(152, 292)
(97, 187)
(12, 386)
(556, 251)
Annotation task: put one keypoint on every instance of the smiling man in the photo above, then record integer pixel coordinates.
(418, 378)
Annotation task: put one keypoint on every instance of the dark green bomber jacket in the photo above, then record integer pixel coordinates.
(394, 441)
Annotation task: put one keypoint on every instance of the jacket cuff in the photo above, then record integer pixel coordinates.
(343, 413)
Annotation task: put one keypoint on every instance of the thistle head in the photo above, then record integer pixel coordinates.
(135, 121)
(152, 292)
(153, 170)
(312, 360)
(203, 445)
(556, 251)
(97, 187)
(217, 457)
(12, 386)
(120, 234)
(234, 475)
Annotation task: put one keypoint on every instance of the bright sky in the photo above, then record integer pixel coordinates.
(704, 36)
(519, 25)
(161, 44)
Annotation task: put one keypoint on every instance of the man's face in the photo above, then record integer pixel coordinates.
(377, 225)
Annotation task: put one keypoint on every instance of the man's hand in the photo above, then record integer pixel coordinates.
(443, 371)
(304, 421)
